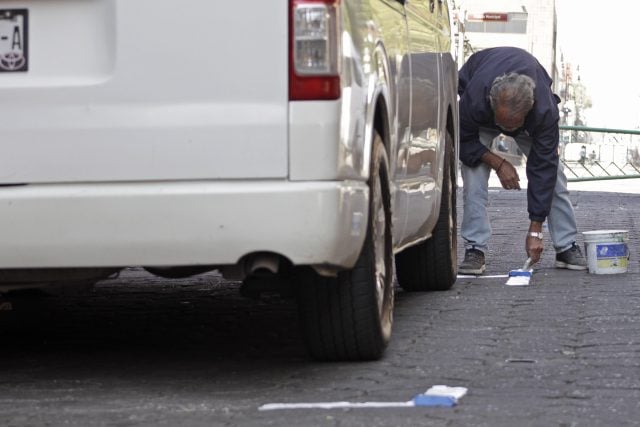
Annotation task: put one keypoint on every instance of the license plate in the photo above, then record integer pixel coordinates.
(14, 40)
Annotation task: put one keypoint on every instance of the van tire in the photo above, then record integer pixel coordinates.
(432, 264)
(349, 317)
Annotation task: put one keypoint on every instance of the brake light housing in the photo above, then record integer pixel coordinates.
(314, 50)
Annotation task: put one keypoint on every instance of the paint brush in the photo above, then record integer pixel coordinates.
(521, 276)
(526, 268)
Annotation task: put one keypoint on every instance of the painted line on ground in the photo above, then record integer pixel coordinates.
(494, 276)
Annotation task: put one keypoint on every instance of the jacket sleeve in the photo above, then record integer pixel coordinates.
(542, 167)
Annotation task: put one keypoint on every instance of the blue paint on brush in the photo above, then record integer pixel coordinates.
(515, 273)
(521, 276)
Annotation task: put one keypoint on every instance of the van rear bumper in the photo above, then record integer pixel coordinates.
(185, 223)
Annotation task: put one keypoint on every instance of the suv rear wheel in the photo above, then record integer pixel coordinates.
(349, 317)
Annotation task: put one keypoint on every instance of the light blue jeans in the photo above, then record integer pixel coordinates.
(476, 229)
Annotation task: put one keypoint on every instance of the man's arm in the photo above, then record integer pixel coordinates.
(542, 171)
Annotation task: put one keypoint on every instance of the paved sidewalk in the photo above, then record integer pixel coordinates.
(566, 349)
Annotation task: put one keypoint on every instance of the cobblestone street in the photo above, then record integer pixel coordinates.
(138, 350)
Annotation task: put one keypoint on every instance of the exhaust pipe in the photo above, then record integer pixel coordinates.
(262, 264)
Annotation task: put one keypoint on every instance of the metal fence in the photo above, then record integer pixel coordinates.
(599, 153)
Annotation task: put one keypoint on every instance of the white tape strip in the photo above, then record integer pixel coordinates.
(437, 395)
(471, 276)
(445, 390)
(335, 405)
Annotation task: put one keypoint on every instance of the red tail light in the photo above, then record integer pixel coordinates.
(314, 50)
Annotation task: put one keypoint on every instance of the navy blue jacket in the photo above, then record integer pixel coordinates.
(476, 77)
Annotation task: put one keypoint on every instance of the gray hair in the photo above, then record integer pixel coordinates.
(513, 91)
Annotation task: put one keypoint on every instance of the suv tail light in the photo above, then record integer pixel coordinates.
(314, 50)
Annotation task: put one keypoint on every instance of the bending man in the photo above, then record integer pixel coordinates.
(506, 90)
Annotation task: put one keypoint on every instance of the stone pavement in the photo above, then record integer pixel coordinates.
(142, 351)
(566, 349)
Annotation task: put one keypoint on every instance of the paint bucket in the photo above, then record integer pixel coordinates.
(607, 251)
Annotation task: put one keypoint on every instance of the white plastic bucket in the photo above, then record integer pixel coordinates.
(607, 251)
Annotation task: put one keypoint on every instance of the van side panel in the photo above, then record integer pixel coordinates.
(159, 95)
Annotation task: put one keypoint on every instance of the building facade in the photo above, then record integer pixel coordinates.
(528, 24)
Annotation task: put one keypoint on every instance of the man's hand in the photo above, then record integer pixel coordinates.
(534, 245)
(506, 172)
(508, 176)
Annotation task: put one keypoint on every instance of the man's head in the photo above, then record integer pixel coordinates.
(511, 98)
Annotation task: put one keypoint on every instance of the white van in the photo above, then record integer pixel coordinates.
(303, 143)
